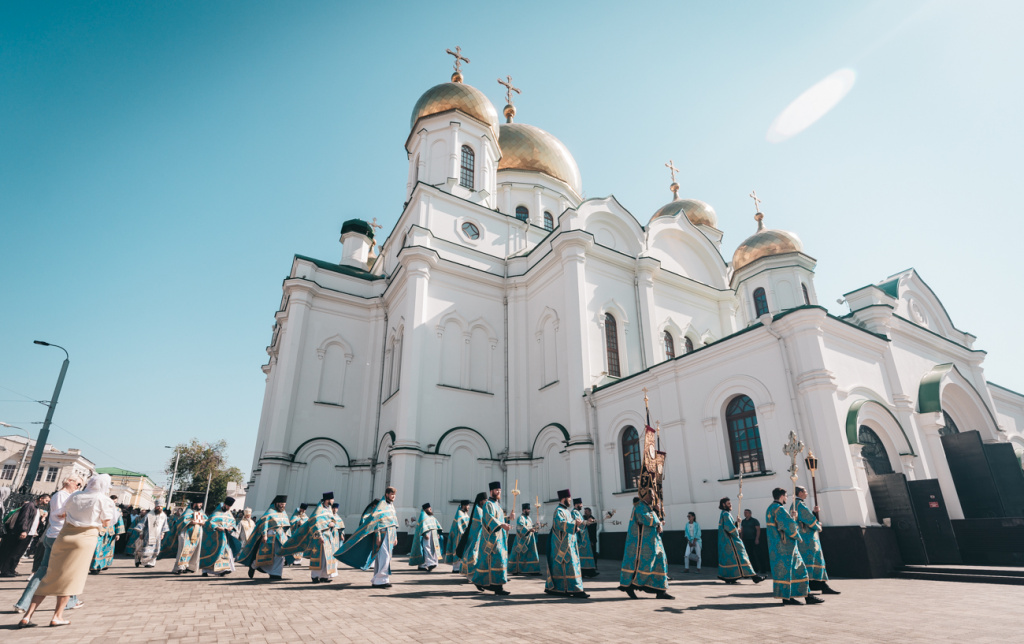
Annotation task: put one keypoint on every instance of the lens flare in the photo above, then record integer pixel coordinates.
(811, 105)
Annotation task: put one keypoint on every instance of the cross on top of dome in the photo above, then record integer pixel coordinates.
(675, 186)
(459, 59)
(510, 109)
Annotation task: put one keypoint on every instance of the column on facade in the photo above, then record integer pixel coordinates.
(930, 424)
(861, 477)
(645, 268)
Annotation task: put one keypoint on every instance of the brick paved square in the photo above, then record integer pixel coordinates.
(126, 604)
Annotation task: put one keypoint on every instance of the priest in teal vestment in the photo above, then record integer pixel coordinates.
(588, 567)
(262, 553)
(190, 535)
(491, 572)
(524, 559)
(297, 520)
(317, 537)
(104, 553)
(426, 540)
(459, 526)
(789, 575)
(217, 553)
(810, 545)
(733, 562)
(471, 550)
(372, 543)
(644, 564)
(564, 577)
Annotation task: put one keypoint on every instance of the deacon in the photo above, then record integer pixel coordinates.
(470, 542)
(339, 525)
(149, 532)
(217, 553)
(263, 552)
(491, 572)
(426, 541)
(459, 525)
(190, 534)
(564, 577)
(789, 576)
(810, 544)
(105, 542)
(733, 563)
(524, 559)
(372, 543)
(588, 567)
(644, 564)
(318, 538)
(297, 520)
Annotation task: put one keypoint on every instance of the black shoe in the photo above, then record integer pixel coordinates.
(206, 574)
(728, 581)
(791, 602)
(252, 573)
(828, 590)
(380, 585)
(757, 579)
(813, 599)
(316, 581)
(138, 563)
(479, 587)
(94, 572)
(276, 577)
(548, 591)
(629, 590)
(178, 572)
(431, 568)
(663, 595)
(579, 595)
(501, 591)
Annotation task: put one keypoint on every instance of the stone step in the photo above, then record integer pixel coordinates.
(961, 577)
(995, 571)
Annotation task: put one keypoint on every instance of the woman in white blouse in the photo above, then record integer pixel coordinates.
(84, 514)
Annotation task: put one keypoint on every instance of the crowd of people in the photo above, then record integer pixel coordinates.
(79, 530)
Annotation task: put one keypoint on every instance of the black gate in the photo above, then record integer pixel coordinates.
(1008, 477)
(933, 521)
(891, 497)
(969, 468)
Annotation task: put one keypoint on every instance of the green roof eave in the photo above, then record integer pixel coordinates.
(351, 271)
(853, 424)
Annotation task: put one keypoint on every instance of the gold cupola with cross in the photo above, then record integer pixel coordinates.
(696, 211)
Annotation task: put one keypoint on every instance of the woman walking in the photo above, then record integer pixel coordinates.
(84, 514)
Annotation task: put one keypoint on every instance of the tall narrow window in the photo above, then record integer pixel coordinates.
(466, 172)
(611, 342)
(744, 437)
(807, 296)
(950, 427)
(875, 457)
(630, 458)
(522, 212)
(760, 302)
(688, 344)
(549, 221)
(670, 345)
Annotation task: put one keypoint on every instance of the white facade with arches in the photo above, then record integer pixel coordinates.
(475, 346)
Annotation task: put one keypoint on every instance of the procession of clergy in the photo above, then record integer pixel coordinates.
(477, 545)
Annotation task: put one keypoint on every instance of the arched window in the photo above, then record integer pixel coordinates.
(468, 163)
(744, 437)
(688, 343)
(630, 458)
(760, 302)
(611, 343)
(807, 296)
(950, 427)
(522, 212)
(549, 221)
(876, 459)
(670, 346)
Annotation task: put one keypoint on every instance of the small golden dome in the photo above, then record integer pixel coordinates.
(455, 96)
(525, 147)
(698, 212)
(765, 243)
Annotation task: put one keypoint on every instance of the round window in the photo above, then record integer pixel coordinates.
(471, 230)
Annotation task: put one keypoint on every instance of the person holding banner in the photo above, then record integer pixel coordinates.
(810, 544)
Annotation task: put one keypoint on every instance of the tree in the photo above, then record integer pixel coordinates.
(199, 462)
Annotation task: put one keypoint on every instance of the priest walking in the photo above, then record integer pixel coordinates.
(733, 563)
(426, 541)
(492, 565)
(372, 543)
(588, 567)
(789, 576)
(810, 544)
(262, 553)
(644, 564)
(564, 577)
(148, 533)
(524, 559)
(217, 553)
(459, 525)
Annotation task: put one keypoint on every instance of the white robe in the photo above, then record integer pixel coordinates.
(147, 546)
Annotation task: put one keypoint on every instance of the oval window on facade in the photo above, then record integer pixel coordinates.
(470, 230)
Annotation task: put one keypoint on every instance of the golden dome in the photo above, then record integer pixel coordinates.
(764, 243)
(698, 212)
(455, 96)
(525, 147)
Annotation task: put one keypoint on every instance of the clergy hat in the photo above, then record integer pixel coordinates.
(577, 500)
(425, 506)
(564, 494)
(159, 503)
(464, 502)
(494, 485)
(229, 501)
(480, 496)
(526, 506)
(336, 506)
(303, 506)
(328, 495)
(280, 498)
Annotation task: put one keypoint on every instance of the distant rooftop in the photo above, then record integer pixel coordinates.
(117, 471)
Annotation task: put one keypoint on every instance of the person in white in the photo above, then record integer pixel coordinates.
(151, 530)
(693, 542)
(71, 485)
(245, 526)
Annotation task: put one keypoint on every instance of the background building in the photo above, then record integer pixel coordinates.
(54, 467)
(134, 489)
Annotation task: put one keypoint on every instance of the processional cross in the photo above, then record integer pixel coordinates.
(459, 59)
(792, 449)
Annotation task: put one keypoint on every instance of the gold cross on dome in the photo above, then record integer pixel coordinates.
(757, 201)
(509, 89)
(374, 223)
(459, 58)
(672, 169)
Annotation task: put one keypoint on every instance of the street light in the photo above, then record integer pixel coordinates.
(177, 455)
(37, 453)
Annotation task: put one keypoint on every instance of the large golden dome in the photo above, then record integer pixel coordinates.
(698, 212)
(525, 147)
(764, 243)
(447, 97)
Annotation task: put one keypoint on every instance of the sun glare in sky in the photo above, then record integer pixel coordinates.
(811, 105)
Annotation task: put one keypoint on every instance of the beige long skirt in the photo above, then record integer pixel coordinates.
(70, 558)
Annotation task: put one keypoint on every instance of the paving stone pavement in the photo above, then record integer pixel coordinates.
(126, 604)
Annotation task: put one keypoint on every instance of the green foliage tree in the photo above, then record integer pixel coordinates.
(199, 462)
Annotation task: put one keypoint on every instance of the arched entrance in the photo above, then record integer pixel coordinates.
(876, 458)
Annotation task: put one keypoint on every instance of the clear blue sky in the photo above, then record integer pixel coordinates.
(161, 162)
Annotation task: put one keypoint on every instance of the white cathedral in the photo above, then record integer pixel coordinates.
(508, 328)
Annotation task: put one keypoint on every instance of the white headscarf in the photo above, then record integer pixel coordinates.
(91, 506)
(98, 484)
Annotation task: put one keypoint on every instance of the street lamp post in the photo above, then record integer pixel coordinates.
(174, 477)
(37, 453)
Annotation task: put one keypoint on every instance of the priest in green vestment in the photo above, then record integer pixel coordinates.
(373, 542)
(810, 545)
(471, 548)
(262, 553)
(564, 577)
(789, 575)
(219, 546)
(491, 572)
(733, 562)
(524, 559)
(644, 564)
(190, 535)
(426, 540)
(588, 566)
(317, 538)
(459, 526)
